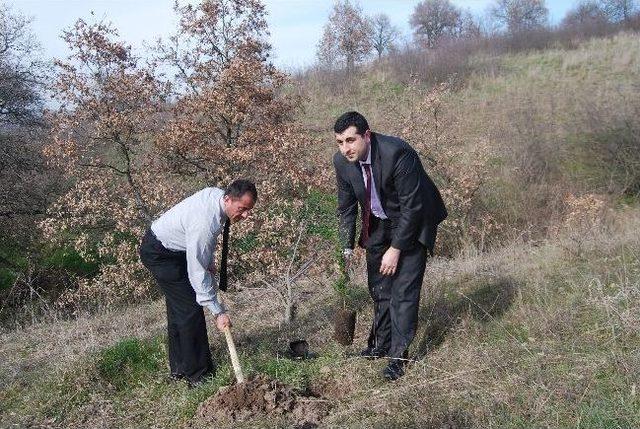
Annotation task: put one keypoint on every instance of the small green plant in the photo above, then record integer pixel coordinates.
(349, 295)
(341, 285)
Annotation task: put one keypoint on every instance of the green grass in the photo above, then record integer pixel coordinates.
(17, 261)
(131, 376)
(130, 361)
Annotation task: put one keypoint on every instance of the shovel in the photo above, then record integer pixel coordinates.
(234, 355)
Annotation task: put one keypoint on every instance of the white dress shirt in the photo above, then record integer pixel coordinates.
(193, 226)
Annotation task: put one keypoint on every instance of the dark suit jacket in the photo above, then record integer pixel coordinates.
(409, 197)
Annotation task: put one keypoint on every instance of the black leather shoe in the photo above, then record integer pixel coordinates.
(208, 376)
(193, 384)
(394, 370)
(372, 353)
(174, 376)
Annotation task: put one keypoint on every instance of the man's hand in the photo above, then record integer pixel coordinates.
(390, 261)
(223, 321)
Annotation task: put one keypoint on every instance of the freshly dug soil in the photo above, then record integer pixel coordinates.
(344, 326)
(260, 396)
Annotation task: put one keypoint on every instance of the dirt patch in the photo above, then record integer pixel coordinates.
(344, 326)
(259, 397)
(332, 389)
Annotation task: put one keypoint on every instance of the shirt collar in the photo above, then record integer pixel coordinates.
(223, 215)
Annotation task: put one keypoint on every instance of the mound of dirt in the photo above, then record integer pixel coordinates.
(260, 396)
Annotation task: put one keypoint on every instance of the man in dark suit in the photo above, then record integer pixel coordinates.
(400, 211)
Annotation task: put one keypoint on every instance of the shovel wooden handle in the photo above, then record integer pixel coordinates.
(234, 355)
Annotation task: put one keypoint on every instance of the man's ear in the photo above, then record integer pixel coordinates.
(367, 135)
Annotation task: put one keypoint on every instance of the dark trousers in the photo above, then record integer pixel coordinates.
(188, 344)
(396, 298)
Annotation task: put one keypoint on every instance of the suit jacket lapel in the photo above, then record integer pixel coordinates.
(376, 165)
(356, 179)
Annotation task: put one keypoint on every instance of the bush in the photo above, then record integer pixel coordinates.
(321, 216)
(69, 260)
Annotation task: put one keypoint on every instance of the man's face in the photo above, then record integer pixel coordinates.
(238, 209)
(352, 145)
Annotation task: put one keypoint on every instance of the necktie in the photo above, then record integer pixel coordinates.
(222, 285)
(366, 213)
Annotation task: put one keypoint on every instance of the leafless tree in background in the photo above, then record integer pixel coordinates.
(21, 72)
(25, 183)
(433, 19)
(584, 13)
(384, 34)
(346, 37)
(469, 25)
(520, 15)
(619, 10)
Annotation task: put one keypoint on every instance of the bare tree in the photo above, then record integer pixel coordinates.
(384, 34)
(346, 36)
(584, 13)
(283, 285)
(25, 182)
(468, 25)
(520, 15)
(21, 70)
(433, 19)
(619, 10)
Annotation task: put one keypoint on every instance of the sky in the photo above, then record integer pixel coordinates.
(295, 25)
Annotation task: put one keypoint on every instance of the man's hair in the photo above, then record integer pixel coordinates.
(349, 119)
(239, 187)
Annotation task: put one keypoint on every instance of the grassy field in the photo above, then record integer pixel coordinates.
(534, 333)
(528, 336)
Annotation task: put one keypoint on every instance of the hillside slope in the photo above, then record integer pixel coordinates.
(537, 333)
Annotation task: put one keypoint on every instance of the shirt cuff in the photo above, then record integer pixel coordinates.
(216, 308)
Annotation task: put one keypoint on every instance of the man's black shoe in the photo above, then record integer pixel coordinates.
(372, 353)
(394, 370)
(193, 384)
(174, 376)
(204, 378)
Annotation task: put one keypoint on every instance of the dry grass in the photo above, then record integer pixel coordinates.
(555, 123)
(558, 353)
(528, 336)
(48, 347)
